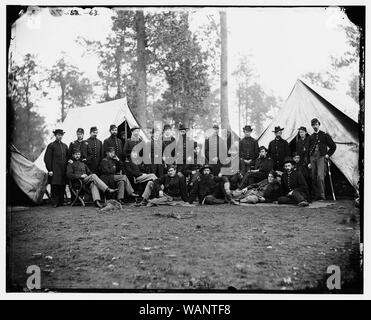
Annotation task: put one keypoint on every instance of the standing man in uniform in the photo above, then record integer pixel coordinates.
(80, 144)
(114, 142)
(183, 151)
(215, 147)
(321, 148)
(249, 150)
(167, 139)
(278, 149)
(55, 159)
(95, 151)
(132, 142)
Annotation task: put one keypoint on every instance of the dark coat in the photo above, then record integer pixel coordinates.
(278, 150)
(325, 143)
(55, 158)
(302, 148)
(207, 185)
(263, 164)
(184, 146)
(108, 168)
(94, 154)
(115, 143)
(129, 145)
(248, 148)
(294, 181)
(75, 170)
(173, 186)
(215, 147)
(82, 146)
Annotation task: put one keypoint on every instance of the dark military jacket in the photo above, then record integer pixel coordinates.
(212, 148)
(55, 158)
(76, 169)
(294, 181)
(263, 164)
(323, 141)
(115, 143)
(278, 150)
(302, 148)
(205, 185)
(80, 145)
(184, 144)
(94, 154)
(249, 148)
(129, 145)
(173, 186)
(108, 168)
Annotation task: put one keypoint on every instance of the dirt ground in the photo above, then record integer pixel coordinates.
(204, 247)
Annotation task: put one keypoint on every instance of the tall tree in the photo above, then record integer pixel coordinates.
(224, 71)
(176, 53)
(28, 128)
(141, 67)
(75, 90)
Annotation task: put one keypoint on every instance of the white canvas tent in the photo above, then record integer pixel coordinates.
(101, 115)
(29, 179)
(338, 115)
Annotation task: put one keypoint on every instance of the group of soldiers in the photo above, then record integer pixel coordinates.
(181, 171)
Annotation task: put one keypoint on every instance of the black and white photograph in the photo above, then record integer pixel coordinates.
(185, 149)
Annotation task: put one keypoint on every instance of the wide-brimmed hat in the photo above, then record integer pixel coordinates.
(277, 129)
(206, 166)
(289, 160)
(247, 128)
(303, 128)
(58, 131)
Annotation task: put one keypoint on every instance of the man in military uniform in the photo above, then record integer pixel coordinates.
(210, 189)
(294, 189)
(79, 170)
(321, 148)
(262, 166)
(184, 150)
(156, 166)
(171, 188)
(55, 159)
(215, 148)
(80, 144)
(114, 142)
(132, 141)
(111, 168)
(278, 149)
(168, 147)
(192, 169)
(249, 150)
(94, 151)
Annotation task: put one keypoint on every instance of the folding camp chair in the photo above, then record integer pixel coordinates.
(77, 192)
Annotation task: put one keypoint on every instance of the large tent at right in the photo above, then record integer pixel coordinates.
(338, 115)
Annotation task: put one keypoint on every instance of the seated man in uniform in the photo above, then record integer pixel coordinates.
(262, 166)
(210, 189)
(111, 168)
(294, 189)
(79, 170)
(171, 189)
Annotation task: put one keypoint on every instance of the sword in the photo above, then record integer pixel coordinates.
(329, 175)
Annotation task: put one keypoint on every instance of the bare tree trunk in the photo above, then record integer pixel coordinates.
(224, 72)
(62, 103)
(141, 68)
